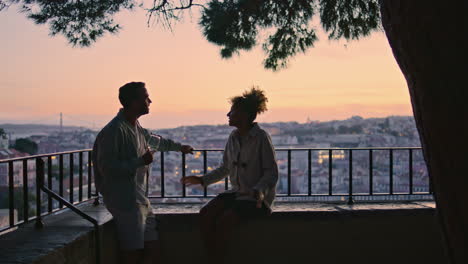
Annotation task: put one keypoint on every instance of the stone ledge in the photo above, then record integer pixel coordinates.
(307, 208)
(67, 238)
(64, 234)
(384, 233)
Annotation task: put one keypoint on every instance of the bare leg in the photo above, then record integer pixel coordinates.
(152, 252)
(208, 215)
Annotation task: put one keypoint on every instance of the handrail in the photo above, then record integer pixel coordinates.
(214, 149)
(41, 186)
(45, 155)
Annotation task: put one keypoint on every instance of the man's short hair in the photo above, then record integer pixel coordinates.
(129, 92)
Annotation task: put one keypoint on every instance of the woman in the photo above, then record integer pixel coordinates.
(249, 160)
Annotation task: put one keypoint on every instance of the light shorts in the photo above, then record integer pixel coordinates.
(135, 226)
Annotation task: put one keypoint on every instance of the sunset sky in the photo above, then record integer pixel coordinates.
(188, 82)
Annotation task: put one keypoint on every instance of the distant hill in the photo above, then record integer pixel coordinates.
(25, 130)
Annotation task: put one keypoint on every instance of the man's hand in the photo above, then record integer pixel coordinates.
(259, 196)
(186, 149)
(191, 180)
(148, 157)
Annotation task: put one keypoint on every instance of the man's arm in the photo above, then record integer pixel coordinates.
(162, 144)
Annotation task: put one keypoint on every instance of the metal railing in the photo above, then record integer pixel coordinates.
(345, 154)
(79, 185)
(63, 173)
(51, 194)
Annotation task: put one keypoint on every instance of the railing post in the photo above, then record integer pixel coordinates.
(371, 173)
(61, 179)
(183, 175)
(205, 170)
(49, 183)
(70, 187)
(330, 172)
(80, 177)
(162, 175)
(309, 172)
(90, 173)
(410, 165)
(391, 172)
(289, 172)
(39, 183)
(11, 193)
(25, 192)
(350, 187)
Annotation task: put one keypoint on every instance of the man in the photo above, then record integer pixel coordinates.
(121, 155)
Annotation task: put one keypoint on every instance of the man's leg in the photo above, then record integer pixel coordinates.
(130, 233)
(152, 250)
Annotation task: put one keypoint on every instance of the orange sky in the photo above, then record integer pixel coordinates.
(188, 81)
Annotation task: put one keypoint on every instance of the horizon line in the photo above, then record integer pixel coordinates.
(4, 122)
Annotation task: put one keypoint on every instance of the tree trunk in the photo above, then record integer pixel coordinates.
(429, 42)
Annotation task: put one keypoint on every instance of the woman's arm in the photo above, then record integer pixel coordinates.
(217, 174)
(214, 176)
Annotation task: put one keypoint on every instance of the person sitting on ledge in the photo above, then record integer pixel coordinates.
(249, 160)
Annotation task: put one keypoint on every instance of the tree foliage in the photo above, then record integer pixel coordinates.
(3, 134)
(82, 22)
(282, 27)
(235, 24)
(25, 145)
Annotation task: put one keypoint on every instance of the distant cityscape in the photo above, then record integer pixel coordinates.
(355, 132)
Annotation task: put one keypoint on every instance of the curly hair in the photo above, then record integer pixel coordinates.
(252, 101)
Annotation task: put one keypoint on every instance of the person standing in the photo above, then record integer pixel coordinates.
(121, 155)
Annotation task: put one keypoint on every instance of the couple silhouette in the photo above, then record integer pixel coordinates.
(123, 151)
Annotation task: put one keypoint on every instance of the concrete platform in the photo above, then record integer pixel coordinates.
(296, 232)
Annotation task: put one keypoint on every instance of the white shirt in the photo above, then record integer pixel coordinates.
(250, 165)
(119, 169)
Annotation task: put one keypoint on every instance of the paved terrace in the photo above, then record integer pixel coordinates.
(295, 233)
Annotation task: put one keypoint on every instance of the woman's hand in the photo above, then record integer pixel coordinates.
(191, 180)
(258, 195)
